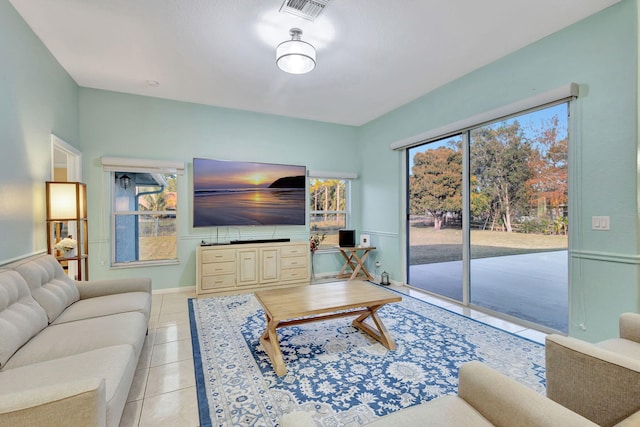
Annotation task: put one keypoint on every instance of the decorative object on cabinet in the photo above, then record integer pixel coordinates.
(67, 226)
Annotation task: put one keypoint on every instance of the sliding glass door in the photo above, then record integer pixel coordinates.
(501, 190)
(435, 217)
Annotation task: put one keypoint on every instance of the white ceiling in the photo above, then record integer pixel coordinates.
(373, 55)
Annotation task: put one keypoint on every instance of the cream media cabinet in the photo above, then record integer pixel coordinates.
(247, 267)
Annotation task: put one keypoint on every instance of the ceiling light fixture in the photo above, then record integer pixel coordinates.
(295, 56)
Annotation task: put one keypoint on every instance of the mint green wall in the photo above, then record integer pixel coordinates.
(601, 54)
(120, 125)
(37, 97)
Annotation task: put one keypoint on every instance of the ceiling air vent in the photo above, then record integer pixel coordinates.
(307, 9)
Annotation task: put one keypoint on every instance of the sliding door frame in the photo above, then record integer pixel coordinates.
(465, 135)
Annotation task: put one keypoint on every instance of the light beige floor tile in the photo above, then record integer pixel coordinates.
(156, 304)
(170, 352)
(533, 335)
(173, 333)
(179, 295)
(170, 319)
(502, 324)
(430, 299)
(156, 300)
(136, 392)
(170, 377)
(465, 311)
(147, 350)
(178, 408)
(131, 414)
(174, 307)
(153, 319)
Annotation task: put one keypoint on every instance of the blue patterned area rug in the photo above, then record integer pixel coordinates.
(337, 371)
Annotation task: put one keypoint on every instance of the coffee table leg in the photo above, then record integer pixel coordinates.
(269, 341)
(381, 334)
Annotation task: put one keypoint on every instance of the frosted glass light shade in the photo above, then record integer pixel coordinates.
(66, 200)
(295, 56)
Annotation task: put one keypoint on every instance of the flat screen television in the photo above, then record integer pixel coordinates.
(233, 193)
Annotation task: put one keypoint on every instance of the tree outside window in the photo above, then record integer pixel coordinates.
(329, 209)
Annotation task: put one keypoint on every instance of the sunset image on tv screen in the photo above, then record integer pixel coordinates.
(228, 193)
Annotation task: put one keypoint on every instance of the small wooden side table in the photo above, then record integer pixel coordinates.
(354, 262)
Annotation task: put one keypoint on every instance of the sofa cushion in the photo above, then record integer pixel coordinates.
(21, 317)
(621, 346)
(71, 338)
(105, 305)
(116, 365)
(49, 284)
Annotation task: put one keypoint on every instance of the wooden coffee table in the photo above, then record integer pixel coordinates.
(304, 304)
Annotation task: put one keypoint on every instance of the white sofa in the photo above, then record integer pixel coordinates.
(485, 398)
(68, 349)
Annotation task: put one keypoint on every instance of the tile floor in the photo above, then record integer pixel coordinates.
(163, 391)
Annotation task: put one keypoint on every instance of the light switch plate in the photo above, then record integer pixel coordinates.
(600, 223)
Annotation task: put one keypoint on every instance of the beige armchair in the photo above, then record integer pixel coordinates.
(598, 381)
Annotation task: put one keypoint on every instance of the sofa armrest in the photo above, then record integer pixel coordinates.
(505, 402)
(599, 384)
(630, 326)
(98, 288)
(81, 403)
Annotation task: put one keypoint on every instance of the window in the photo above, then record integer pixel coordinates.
(144, 217)
(328, 209)
(144, 211)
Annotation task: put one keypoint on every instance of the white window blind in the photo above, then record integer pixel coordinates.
(561, 94)
(122, 164)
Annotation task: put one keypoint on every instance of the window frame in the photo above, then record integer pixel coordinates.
(346, 211)
(115, 166)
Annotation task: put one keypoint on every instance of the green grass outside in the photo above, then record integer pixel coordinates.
(431, 246)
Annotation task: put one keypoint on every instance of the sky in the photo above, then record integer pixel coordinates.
(225, 175)
(527, 121)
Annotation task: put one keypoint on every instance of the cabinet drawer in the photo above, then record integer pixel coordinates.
(294, 274)
(294, 250)
(222, 281)
(217, 268)
(218, 255)
(293, 262)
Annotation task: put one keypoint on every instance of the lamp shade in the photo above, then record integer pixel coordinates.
(66, 201)
(295, 56)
